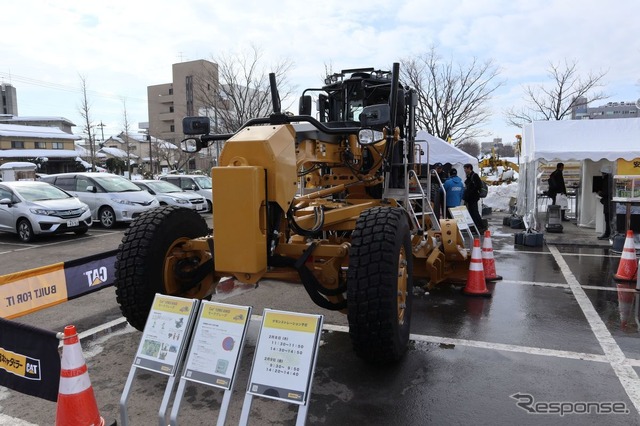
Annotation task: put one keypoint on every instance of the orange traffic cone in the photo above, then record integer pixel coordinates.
(626, 296)
(76, 402)
(488, 262)
(628, 267)
(476, 285)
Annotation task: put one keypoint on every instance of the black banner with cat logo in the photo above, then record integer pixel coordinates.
(29, 360)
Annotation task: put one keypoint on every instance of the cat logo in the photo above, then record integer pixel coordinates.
(32, 369)
(96, 276)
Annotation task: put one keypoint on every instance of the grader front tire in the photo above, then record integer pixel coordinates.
(380, 285)
(146, 260)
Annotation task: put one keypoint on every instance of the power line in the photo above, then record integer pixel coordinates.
(63, 87)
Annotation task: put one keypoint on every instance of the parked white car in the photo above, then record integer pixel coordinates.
(30, 208)
(110, 197)
(169, 194)
(200, 184)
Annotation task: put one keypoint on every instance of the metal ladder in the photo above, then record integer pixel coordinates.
(412, 199)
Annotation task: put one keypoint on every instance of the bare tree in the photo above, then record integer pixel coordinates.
(452, 98)
(556, 100)
(470, 146)
(241, 90)
(127, 145)
(85, 113)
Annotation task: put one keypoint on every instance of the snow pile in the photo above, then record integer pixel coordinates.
(500, 195)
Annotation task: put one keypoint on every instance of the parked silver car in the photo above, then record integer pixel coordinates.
(169, 194)
(198, 184)
(30, 208)
(110, 197)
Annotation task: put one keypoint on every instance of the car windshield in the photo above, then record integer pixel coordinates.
(41, 192)
(116, 184)
(203, 182)
(164, 187)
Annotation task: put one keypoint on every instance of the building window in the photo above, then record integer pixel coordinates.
(170, 109)
(17, 144)
(57, 145)
(172, 128)
(40, 145)
(171, 91)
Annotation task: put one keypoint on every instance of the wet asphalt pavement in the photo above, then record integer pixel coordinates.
(558, 333)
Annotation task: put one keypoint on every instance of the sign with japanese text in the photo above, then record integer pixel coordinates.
(215, 346)
(625, 167)
(462, 216)
(285, 356)
(164, 334)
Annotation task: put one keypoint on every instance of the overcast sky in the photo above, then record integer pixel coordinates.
(121, 47)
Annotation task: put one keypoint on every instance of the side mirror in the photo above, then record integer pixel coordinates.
(194, 186)
(375, 115)
(304, 108)
(196, 125)
(190, 145)
(6, 201)
(91, 188)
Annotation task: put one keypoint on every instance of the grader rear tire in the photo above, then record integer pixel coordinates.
(380, 285)
(146, 260)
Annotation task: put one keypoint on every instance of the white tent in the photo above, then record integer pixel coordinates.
(435, 150)
(593, 143)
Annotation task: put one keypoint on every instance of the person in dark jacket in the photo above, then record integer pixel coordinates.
(557, 186)
(436, 189)
(454, 189)
(605, 199)
(471, 195)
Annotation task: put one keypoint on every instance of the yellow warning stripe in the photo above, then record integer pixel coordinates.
(29, 273)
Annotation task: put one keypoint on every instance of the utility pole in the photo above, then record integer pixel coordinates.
(101, 125)
(150, 155)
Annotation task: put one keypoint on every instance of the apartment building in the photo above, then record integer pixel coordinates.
(170, 102)
(8, 99)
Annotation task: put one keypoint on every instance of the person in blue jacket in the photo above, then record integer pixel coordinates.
(454, 188)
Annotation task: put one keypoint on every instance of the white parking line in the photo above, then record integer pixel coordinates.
(24, 247)
(625, 372)
(564, 254)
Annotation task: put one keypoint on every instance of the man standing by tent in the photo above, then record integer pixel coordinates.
(557, 186)
(605, 199)
(471, 196)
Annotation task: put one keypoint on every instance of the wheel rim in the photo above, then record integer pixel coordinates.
(106, 218)
(173, 285)
(403, 278)
(23, 231)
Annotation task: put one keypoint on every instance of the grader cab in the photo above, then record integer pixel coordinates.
(333, 203)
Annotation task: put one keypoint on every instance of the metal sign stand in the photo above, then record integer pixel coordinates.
(221, 327)
(284, 361)
(162, 346)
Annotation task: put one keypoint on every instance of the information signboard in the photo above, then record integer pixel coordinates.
(214, 353)
(462, 216)
(164, 334)
(285, 356)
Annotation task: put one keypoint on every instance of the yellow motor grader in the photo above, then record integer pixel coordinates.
(330, 201)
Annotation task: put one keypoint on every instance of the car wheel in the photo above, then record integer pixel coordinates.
(25, 231)
(107, 217)
(209, 207)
